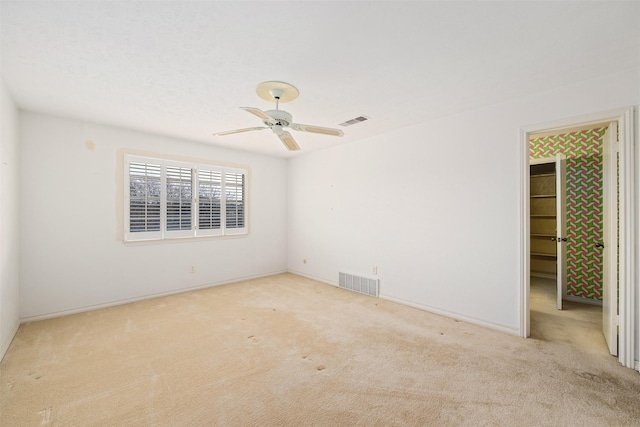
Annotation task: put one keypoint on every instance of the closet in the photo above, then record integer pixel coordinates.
(543, 220)
(548, 251)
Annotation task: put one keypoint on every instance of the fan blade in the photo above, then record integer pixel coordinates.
(229, 132)
(288, 140)
(316, 129)
(258, 112)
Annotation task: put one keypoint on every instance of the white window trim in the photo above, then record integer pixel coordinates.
(194, 232)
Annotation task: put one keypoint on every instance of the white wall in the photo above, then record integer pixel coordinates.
(71, 255)
(436, 206)
(9, 301)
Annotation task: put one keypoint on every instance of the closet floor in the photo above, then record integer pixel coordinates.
(579, 324)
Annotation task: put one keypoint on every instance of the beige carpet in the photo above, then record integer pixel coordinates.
(290, 351)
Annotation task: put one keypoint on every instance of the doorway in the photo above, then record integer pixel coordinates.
(567, 235)
(623, 314)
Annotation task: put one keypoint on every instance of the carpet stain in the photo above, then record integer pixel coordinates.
(600, 379)
(321, 368)
(46, 415)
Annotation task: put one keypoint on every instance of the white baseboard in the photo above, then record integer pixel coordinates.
(140, 298)
(494, 326)
(317, 279)
(582, 300)
(7, 343)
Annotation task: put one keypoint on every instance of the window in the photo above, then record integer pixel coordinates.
(170, 199)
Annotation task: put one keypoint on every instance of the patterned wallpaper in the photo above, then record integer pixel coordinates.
(584, 205)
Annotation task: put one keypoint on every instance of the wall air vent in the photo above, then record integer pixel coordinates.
(363, 285)
(359, 119)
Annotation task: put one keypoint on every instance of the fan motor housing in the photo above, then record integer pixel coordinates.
(282, 117)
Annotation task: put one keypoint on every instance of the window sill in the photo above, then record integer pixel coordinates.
(189, 239)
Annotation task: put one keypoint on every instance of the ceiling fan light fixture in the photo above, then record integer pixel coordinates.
(277, 119)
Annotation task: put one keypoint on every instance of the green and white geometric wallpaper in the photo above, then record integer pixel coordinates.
(583, 150)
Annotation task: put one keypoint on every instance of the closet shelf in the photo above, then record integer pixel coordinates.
(541, 254)
(542, 175)
(543, 274)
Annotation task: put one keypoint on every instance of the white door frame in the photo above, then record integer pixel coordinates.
(628, 284)
(610, 149)
(561, 228)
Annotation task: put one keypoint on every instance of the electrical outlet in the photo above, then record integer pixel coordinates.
(375, 269)
(193, 268)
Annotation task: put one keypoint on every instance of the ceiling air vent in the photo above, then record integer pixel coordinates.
(354, 121)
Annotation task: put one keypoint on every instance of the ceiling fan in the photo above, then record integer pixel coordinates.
(277, 120)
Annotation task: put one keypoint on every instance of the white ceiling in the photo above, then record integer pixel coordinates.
(182, 68)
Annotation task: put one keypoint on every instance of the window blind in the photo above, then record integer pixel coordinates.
(172, 199)
(209, 199)
(179, 198)
(234, 195)
(144, 197)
